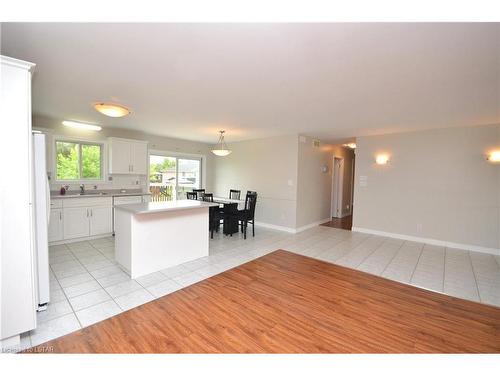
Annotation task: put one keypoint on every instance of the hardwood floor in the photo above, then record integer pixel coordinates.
(343, 223)
(288, 303)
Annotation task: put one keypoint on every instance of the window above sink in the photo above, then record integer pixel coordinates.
(77, 161)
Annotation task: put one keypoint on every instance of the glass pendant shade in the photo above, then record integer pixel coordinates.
(221, 147)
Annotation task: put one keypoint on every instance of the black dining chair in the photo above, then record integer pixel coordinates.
(207, 197)
(247, 215)
(192, 195)
(199, 193)
(214, 219)
(234, 194)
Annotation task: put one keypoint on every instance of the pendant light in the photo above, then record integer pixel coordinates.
(221, 147)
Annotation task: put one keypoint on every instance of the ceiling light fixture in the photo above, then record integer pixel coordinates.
(221, 147)
(81, 125)
(351, 145)
(111, 109)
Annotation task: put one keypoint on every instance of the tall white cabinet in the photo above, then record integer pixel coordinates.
(16, 203)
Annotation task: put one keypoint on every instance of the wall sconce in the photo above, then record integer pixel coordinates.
(493, 157)
(324, 169)
(382, 159)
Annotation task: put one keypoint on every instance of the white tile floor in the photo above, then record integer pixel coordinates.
(87, 286)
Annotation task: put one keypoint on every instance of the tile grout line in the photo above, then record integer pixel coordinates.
(372, 252)
(416, 265)
(393, 257)
(67, 300)
(475, 277)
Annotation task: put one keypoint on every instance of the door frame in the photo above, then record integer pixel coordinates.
(337, 187)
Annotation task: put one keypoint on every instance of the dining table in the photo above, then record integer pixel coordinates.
(230, 226)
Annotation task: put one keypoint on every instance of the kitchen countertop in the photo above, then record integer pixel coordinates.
(97, 194)
(153, 207)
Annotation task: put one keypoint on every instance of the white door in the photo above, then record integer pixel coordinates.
(75, 222)
(139, 158)
(101, 220)
(119, 161)
(55, 225)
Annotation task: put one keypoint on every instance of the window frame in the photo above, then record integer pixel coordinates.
(179, 155)
(81, 142)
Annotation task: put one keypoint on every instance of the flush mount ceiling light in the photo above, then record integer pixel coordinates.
(221, 147)
(112, 109)
(81, 125)
(351, 145)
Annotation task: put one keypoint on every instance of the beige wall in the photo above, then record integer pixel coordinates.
(268, 166)
(155, 143)
(437, 185)
(287, 173)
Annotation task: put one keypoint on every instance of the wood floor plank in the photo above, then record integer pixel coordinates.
(288, 303)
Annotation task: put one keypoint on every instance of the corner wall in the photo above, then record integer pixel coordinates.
(437, 186)
(268, 166)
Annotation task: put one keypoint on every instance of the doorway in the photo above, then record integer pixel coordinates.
(342, 191)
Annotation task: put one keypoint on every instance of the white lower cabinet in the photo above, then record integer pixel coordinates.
(55, 225)
(101, 220)
(80, 218)
(76, 222)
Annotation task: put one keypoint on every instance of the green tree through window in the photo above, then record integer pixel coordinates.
(78, 161)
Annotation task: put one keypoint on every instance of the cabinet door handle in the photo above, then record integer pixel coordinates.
(91, 213)
(87, 212)
(60, 215)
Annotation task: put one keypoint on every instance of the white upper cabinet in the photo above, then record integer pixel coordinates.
(119, 156)
(127, 156)
(139, 158)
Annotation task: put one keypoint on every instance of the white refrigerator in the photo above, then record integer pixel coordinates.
(41, 218)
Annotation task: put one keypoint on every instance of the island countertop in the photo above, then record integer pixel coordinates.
(153, 207)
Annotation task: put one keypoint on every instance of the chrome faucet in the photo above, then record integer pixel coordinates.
(82, 189)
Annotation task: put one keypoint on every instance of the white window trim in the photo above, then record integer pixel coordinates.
(104, 153)
(201, 157)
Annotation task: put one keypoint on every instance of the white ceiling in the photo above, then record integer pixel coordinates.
(330, 81)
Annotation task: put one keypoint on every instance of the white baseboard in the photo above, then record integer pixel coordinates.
(430, 241)
(291, 230)
(275, 227)
(80, 239)
(312, 225)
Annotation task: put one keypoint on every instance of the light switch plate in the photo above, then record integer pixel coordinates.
(363, 181)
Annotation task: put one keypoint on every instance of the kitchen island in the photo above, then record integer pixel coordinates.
(153, 236)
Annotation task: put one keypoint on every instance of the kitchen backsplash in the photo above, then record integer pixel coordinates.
(117, 182)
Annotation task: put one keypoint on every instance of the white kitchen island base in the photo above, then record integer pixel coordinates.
(150, 237)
